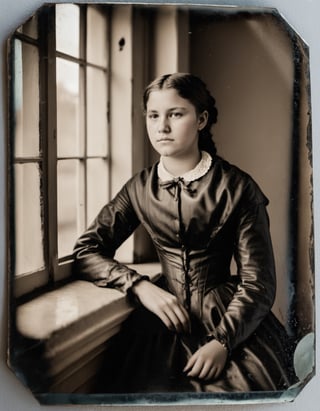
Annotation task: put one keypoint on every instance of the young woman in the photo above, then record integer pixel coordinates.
(199, 328)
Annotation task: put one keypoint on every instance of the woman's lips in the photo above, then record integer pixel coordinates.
(164, 140)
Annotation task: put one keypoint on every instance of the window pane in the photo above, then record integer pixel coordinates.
(97, 36)
(70, 205)
(68, 29)
(97, 187)
(69, 106)
(30, 27)
(28, 224)
(26, 99)
(96, 112)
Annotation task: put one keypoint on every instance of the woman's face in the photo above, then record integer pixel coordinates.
(173, 124)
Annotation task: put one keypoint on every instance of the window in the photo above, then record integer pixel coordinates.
(59, 137)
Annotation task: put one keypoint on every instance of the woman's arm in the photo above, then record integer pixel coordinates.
(253, 298)
(94, 261)
(95, 249)
(255, 295)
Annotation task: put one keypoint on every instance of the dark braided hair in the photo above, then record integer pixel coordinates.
(194, 90)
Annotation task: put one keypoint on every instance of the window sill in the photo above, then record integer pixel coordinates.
(72, 325)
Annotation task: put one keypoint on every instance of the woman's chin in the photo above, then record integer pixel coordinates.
(165, 152)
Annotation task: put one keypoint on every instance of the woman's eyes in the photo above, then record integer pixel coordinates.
(174, 114)
(153, 116)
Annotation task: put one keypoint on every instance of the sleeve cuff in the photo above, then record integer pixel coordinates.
(133, 299)
(221, 340)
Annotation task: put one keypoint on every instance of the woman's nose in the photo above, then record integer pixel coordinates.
(163, 125)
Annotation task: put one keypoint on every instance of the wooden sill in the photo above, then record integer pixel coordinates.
(72, 325)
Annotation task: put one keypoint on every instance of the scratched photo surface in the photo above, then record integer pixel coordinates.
(80, 132)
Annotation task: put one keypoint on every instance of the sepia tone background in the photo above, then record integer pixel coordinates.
(229, 150)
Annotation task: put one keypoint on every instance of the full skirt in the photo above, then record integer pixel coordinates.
(145, 357)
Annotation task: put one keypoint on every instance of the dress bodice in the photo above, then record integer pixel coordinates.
(196, 227)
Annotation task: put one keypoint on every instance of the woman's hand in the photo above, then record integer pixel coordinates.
(207, 362)
(163, 304)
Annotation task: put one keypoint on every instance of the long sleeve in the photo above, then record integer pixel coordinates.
(95, 249)
(254, 257)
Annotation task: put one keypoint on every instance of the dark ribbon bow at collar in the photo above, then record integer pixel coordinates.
(175, 186)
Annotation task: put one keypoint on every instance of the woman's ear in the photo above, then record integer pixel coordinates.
(203, 120)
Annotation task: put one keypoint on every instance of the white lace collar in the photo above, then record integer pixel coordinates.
(199, 171)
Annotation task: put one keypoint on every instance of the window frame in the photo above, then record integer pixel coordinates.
(55, 268)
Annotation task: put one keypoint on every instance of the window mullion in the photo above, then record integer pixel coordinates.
(50, 145)
(108, 17)
(83, 55)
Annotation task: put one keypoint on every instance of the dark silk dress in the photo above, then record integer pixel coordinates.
(197, 227)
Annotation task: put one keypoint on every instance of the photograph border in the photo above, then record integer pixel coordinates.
(187, 399)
